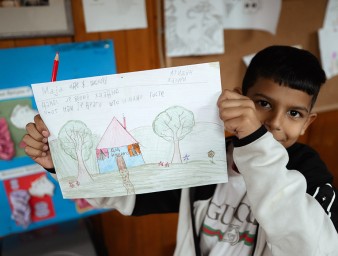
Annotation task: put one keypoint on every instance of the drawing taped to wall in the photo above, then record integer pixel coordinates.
(135, 133)
(251, 14)
(328, 51)
(331, 16)
(193, 27)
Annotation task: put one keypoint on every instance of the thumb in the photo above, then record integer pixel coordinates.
(41, 126)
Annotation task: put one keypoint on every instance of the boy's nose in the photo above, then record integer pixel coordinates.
(274, 122)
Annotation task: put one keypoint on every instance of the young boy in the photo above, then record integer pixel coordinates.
(279, 199)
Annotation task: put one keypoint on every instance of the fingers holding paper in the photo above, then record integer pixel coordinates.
(36, 140)
(238, 113)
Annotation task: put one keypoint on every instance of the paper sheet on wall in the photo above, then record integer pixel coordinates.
(328, 45)
(328, 40)
(109, 15)
(331, 16)
(193, 27)
(252, 14)
(136, 132)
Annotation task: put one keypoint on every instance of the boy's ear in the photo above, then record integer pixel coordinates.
(238, 90)
(309, 120)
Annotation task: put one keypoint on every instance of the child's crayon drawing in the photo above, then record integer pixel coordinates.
(136, 132)
(193, 27)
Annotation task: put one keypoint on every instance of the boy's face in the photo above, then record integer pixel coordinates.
(284, 111)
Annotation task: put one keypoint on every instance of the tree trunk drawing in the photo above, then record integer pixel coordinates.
(83, 174)
(177, 152)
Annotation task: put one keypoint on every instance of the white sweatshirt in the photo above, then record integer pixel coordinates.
(291, 222)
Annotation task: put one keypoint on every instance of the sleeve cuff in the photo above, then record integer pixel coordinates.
(250, 138)
(51, 170)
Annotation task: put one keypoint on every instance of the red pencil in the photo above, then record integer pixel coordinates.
(55, 67)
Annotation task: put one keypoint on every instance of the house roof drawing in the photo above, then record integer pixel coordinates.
(115, 136)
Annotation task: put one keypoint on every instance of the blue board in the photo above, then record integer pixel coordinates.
(28, 65)
(21, 67)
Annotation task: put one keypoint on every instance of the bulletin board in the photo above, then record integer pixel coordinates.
(299, 23)
(30, 198)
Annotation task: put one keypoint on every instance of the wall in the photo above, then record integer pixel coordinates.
(139, 50)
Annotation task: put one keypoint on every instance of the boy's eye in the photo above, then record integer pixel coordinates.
(263, 103)
(295, 113)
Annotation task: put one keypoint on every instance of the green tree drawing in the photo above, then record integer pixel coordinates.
(76, 141)
(173, 125)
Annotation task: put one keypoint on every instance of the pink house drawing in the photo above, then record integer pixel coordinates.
(117, 149)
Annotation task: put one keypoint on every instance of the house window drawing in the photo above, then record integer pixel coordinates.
(117, 149)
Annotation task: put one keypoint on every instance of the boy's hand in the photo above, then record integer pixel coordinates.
(37, 143)
(238, 113)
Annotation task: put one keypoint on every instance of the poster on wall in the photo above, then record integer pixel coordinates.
(31, 199)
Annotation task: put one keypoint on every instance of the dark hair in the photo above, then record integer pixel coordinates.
(288, 66)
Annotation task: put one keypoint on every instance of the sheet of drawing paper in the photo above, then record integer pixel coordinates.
(193, 27)
(328, 45)
(252, 14)
(136, 132)
(109, 15)
(331, 16)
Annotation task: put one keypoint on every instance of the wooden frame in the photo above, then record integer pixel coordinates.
(54, 19)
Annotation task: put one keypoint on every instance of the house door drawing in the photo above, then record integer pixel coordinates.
(121, 164)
